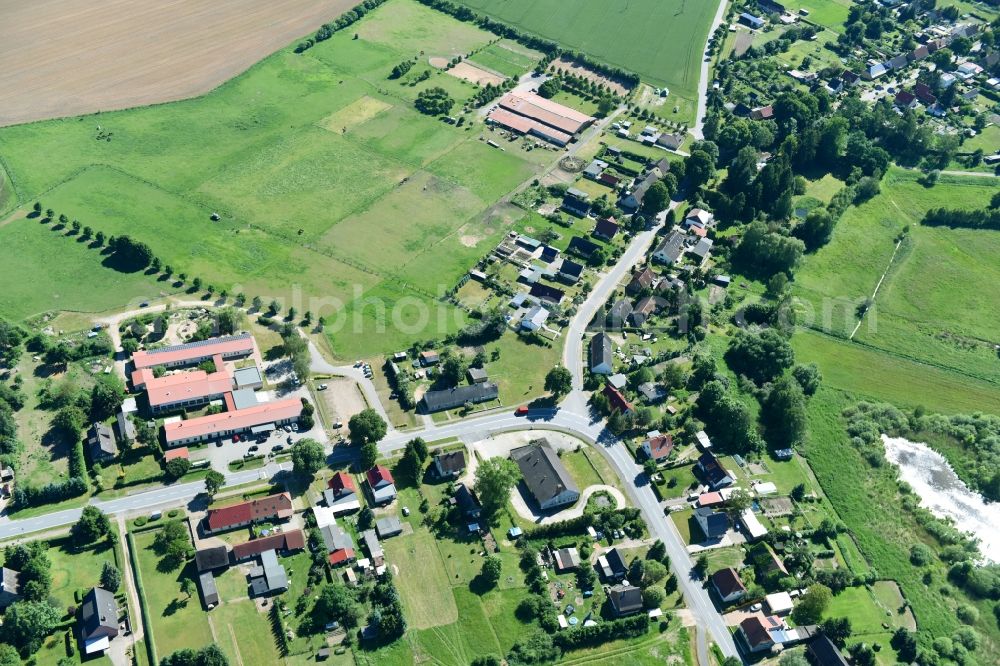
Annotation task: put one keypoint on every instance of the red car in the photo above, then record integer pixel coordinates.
(236, 438)
(521, 411)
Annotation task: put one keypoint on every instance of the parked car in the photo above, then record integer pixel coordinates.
(295, 427)
(321, 387)
(236, 438)
(278, 447)
(254, 448)
(289, 440)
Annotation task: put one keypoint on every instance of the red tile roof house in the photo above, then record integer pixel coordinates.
(755, 633)
(272, 507)
(382, 485)
(282, 542)
(617, 400)
(342, 482)
(657, 447)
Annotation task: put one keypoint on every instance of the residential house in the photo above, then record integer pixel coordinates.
(566, 559)
(269, 577)
(728, 585)
(440, 400)
(10, 587)
(101, 443)
(898, 62)
(918, 53)
(905, 100)
(698, 217)
(612, 565)
(850, 78)
(641, 280)
(713, 524)
(283, 542)
(466, 501)
(449, 465)
(702, 249)
(751, 21)
(594, 169)
(601, 358)
(341, 494)
(339, 544)
(609, 179)
(670, 141)
(606, 228)
(618, 380)
(762, 113)
(823, 652)
(670, 248)
(625, 599)
(875, 70)
(632, 201)
(645, 309)
(617, 400)
(477, 375)
(98, 620)
(549, 254)
(381, 483)
(209, 591)
(570, 271)
(389, 526)
(544, 475)
(657, 446)
(755, 634)
(429, 357)
(272, 507)
(576, 202)
(779, 603)
(582, 247)
(651, 392)
(534, 319)
(713, 472)
(618, 314)
(211, 558)
(546, 293)
(126, 428)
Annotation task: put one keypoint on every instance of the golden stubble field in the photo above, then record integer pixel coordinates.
(68, 57)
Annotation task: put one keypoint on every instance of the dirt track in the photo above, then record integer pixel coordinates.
(68, 57)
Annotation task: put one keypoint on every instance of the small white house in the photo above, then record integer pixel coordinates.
(534, 319)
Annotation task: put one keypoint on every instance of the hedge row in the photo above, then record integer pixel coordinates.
(326, 31)
(583, 636)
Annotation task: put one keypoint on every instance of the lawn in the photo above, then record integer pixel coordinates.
(661, 40)
(301, 189)
(506, 57)
(244, 634)
(580, 469)
(177, 620)
(865, 611)
(520, 371)
(76, 570)
(422, 580)
(73, 277)
(830, 14)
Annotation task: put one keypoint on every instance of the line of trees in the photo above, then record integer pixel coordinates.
(326, 31)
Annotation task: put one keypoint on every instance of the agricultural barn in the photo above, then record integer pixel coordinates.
(528, 113)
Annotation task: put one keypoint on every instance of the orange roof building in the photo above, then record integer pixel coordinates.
(276, 413)
(193, 353)
(186, 389)
(180, 452)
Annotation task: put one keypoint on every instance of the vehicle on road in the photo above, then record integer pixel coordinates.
(521, 411)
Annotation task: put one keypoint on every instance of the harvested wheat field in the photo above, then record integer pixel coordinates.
(67, 57)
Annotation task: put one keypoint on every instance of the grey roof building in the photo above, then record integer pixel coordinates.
(619, 313)
(436, 401)
(209, 592)
(126, 428)
(212, 558)
(248, 377)
(544, 475)
(388, 527)
(449, 464)
(335, 538)
(101, 442)
(270, 577)
(467, 501)
(372, 544)
(98, 620)
(10, 586)
(670, 249)
(601, 359)
(625, 599)
(477, 375)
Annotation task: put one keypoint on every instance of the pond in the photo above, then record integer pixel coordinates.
(944, 494)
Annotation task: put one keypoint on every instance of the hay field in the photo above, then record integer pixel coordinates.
(67, 57)
(660, 40)
(331, 187)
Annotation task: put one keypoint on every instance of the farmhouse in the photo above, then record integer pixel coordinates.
(98, 620)
(193, 353)
(282, 542)
(670, 249)
(544, 475)
(265, 416)
(101, 443)
(727, 584)
(436, 401)
(272, 507)
(600, 354)
(449, 465)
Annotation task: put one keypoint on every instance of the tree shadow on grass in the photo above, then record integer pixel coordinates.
(115, 262)
(174, 606)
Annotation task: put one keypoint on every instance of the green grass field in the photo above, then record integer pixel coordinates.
(932, 315)
(422, 581)
(244, 634)
(660, 40)
(506, 57)
(177, 621)
(303, 189)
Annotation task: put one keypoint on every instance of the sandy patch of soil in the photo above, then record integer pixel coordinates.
(478, 75)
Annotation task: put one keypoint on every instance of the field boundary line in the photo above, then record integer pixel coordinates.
(877, 287)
